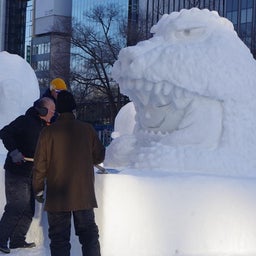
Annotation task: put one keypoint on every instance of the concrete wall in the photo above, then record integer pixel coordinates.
(50, 16)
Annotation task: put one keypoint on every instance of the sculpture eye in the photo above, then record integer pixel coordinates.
(190, 33)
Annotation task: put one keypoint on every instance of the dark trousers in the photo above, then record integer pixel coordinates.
(19, 209)
(85, 228)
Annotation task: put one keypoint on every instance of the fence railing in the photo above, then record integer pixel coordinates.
(104, 132)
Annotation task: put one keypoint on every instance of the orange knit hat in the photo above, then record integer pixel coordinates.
(58, 84)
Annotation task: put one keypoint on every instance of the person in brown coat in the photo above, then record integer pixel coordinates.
(65, 156)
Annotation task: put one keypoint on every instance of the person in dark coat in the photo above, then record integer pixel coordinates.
(20, 139)
(56, 85)
(65, 156)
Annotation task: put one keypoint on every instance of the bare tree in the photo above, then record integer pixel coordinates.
(96, 45)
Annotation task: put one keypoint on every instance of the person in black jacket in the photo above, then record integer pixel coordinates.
(20, 139)
(57, 85)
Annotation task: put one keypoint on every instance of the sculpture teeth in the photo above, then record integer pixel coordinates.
(178, 92)
(162, 94)
(142, 95)
(148, 86)
(129, 84)
(138, 85)
(167, 88)
(157, 88)
(188, 94)
(148, 132)
(144, 99)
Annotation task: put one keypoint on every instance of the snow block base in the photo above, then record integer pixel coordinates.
(176, 214)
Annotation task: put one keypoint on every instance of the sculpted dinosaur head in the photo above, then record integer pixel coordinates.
(188, 57)
(193, 86)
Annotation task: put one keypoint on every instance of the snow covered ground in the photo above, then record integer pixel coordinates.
(185, 190)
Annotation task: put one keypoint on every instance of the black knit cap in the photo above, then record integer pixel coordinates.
(65, 102)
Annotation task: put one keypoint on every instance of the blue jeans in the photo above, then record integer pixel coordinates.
(19, 209)
(85, 228)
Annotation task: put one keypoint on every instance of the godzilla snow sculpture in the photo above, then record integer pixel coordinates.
(193, 86)
(18, 88)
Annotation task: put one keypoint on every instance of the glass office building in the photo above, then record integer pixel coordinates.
(50, 45)
(80, 7)
(21, 20)
(16, 20)
(28, 30)
(13, 26)
(242, 13)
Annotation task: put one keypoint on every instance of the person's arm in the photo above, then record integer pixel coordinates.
(40, 164)
(10, 133)
(98, 148)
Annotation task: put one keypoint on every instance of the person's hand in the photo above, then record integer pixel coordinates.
(40, 197)
(16, 156)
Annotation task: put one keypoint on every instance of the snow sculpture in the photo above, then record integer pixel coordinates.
(18, 88)
(124, 127)
(193, 86)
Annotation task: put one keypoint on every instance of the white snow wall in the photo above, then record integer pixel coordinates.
(176, 215)
(167, 215)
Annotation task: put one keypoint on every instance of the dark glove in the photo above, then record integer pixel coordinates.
(16, 156)
(40, 197)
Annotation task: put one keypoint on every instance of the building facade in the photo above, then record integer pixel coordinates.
(29, 29)
(13, 26)
(243, 16)
(242, 13)
(50, 45)
(38, 30)
(50, 52)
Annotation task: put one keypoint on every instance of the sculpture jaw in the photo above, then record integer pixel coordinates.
(160, 107)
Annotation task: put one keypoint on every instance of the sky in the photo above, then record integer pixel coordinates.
(183, 148)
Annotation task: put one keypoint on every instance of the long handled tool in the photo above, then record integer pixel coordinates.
(29, 159)
(101, 169)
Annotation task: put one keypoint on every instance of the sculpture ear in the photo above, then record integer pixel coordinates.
(41, 110)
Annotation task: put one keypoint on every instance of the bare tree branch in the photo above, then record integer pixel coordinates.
(96, 45)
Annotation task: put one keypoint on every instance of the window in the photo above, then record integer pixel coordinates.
(245, 4)
(232, 16)
(232, 5)
(246, 15)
